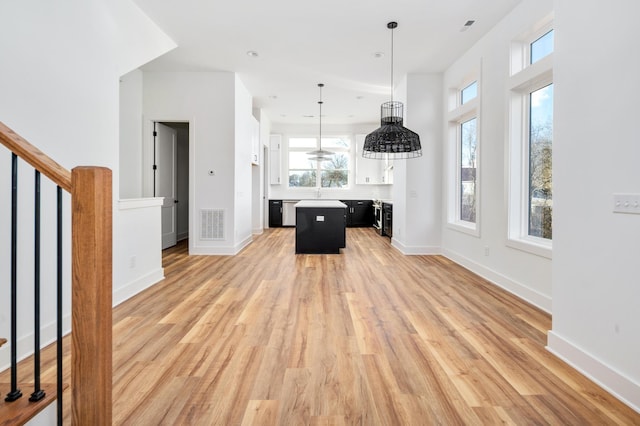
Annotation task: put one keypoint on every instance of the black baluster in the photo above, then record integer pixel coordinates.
(59, 348)
(15, 392)
(38, 393)
(59, 307)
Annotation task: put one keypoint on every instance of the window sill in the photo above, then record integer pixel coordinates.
(465, 228)
(537, 246)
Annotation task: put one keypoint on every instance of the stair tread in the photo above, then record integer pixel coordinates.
(22, 410)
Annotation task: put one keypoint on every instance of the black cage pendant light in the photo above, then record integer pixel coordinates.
(320, 154)
(392, 139)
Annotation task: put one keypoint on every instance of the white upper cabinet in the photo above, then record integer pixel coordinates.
(275, 143)
(255, 142)
(370, 171)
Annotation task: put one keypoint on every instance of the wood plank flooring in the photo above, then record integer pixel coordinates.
(366, 337)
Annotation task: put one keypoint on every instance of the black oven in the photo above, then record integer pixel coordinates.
(387, 219)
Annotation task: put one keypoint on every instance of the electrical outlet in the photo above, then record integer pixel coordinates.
(486, 250)
(132, 262)
(626, 203)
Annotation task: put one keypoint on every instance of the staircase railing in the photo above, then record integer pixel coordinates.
(91, 285)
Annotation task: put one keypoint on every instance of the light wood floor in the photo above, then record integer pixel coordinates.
(365, 337)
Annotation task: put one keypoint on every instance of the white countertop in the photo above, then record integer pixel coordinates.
(321, 203)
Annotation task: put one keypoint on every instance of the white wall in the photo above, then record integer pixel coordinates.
(525, 274)
(417, 181)
(59, 84)
(130, 163)
(207, 100)
(258, 204)
(139, 256)
(354, 192)
(244, 122)
(596, 289)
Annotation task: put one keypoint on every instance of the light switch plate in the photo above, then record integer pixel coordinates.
(626, 203)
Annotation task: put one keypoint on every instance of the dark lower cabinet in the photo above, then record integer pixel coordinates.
(275, 213)
(359, 213)
(320, 230)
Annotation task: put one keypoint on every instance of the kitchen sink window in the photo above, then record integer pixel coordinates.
(333, 173)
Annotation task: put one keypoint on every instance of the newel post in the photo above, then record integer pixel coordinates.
(91, 368)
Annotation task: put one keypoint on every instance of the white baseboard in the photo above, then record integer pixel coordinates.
(222, 251)
(48, 335)
(131, 289)
(257, 231)
(414, 250)
(596, 370)
(534, 297)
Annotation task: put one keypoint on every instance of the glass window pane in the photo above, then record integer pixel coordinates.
(468, 168)
(300, 160)
(542, 47)
(334, 178)
(540, 162)
(303, 179)
(335, 162)
(469, 92)
(303, 143)
(333, 143)
(335, 172)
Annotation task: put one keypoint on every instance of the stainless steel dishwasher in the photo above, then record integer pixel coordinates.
(289, 212)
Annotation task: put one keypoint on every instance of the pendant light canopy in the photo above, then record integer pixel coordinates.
(320, 154)
(392, 139)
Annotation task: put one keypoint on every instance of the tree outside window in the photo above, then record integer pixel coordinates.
(540, 162)
(333, 173)
(468, 169)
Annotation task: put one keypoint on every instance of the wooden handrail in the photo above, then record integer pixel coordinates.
(36, 158)
(91, 283)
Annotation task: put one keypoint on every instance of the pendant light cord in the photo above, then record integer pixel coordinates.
(392, 27)
(320, 85)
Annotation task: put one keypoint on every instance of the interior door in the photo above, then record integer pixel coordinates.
(165, 180)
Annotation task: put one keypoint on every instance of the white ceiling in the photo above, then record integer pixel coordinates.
(301, 43)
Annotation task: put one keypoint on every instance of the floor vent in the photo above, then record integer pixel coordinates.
(212, 224)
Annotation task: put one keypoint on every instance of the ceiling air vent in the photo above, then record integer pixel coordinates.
(467, 25)
(212, 224)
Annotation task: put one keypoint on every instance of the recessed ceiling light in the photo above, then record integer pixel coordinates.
(378, 55)
(252, 54)
(308, 116)
(359, 97)
(273, 97)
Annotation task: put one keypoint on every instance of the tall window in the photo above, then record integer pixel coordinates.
(540, 161)
(332, 173)
(463, 188)
(468, 167)
(531, 144)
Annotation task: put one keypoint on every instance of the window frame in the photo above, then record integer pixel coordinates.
(530, 78)
(318, 166)
(459, 114)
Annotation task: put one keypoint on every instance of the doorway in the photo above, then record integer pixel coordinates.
(171, 178)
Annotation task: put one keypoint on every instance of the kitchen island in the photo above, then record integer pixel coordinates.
(320, 226)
